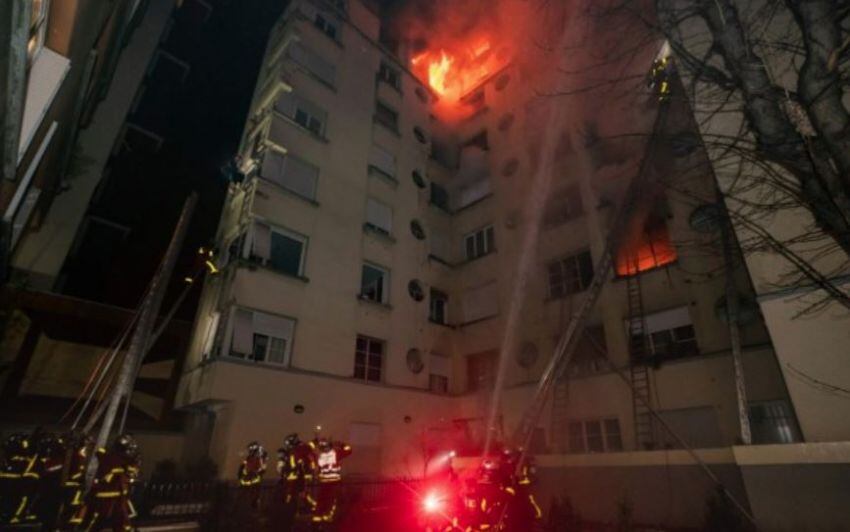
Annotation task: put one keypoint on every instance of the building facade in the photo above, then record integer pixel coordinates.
(371, 255)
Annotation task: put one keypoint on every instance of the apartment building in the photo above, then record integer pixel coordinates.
(370, 251)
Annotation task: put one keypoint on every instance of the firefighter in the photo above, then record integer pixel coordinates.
(250, 475)
(660, 77)
(108, 503)
(328, 458)
(51, 459)
(72, 486)
(295, 468)
(18, 475)
(521, 509)
(485, 497)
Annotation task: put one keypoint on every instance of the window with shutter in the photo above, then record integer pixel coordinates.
(291, 173)
(382, 160)
(262, 337)
(313, 62)
(379, 216)
(480, 302)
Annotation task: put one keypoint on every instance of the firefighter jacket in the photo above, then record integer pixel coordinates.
(20, 464)
(296, 465)
(77, 467)
(252, 469)
(115, 472)
(328, 461)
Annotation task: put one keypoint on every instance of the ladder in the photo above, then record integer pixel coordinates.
(566, 346)
(639, 355)
(560, 417)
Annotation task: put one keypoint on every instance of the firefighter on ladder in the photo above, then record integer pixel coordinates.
(660, 76)
(108, 503)
(17, 480)
(328, 455)
(295, 468)
(74, 478)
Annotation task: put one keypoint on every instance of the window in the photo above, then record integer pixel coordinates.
(439, 196)
(479, 243)
(438, 310)
(38, 28)
(261, 337)
(303, 112)
(368, 359)
(278, 249)
(374, 284)
(649, 249)
(382, 161)
(480, 302)
(438, 373)
(480, 371)
(417, 230)
(326, 25)
(563, 206)
(773, 422)
(570, 275)
(313, 63)
(670, 334)
(478, 141)
(594, 436)
(414, 288)
(386, 116)
(389, 75)
(379, 216)
(291, 173)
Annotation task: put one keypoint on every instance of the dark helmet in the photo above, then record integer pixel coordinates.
(324, 445)
(16, 443)
(254, 448)
(127, 444)
(49, 443)
(488, 472)
(291, 441)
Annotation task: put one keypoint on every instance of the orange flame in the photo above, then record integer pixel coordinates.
(454, 70)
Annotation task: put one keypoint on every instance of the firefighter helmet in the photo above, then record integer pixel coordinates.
(488, 472)
(127, 445)
(324, 445)
(291, 441)
(254, 448)
(16, 443)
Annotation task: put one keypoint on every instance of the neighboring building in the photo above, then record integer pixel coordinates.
(74, 50)
(370, 254)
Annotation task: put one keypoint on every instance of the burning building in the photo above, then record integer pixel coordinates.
(398, 188)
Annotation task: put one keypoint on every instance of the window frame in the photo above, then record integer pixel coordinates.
(288, 342)
(367, 354)
(432, 300)
(377, 118)
(387, 231)
(438, 384)
(605, 436)
(322, 22)
(393, 72)
(291, 235)
(483, 242)
(579, 279)
(385, 283)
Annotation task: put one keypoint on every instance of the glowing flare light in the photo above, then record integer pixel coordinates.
(433, 503)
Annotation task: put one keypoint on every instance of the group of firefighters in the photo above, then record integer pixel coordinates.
(42, 480)
(299, 464)
(496, 497)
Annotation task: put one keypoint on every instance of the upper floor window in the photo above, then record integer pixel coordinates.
(279, 249)
(570, 275)
(670, 334)
(318, 66)
(386, 116)
(261, 337)
(440, 196)
(438, 311)
(479, 243)
(389, 75)
(303, 112)
(480, 371)
(368, 359)
(374, 283)
(327, 25)
(290, 172)
(382, 160)
(438, 373)
(651, 247)
(379, 216)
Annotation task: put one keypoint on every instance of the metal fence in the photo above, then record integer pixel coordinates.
(224, 506)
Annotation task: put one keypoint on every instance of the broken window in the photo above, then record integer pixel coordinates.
(647, 244)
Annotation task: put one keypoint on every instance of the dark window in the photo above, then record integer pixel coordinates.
(414, 288)
(439, 307)
(390, 76)
(476, 102)
(285, 254)
(480, 371)
(417, 230)
(674, 343)
(479, 243)
(773, 422)
(439, 196)
(374, 284)
(570, 275)
(438, 383)
(307, 121)
(420, 135)
(563, 206)
(260, 346)
(368, 359)
(418, 179)
(326, 26)
(386, 116)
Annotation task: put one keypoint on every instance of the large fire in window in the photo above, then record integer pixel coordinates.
(452, 69)
(646, 249)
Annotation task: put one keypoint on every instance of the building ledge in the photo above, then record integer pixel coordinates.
(45, 77)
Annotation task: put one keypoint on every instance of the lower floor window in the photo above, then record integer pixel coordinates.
(773, 422)
(261, 337)
(594, 436)
(368, 359)
(438, 383)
